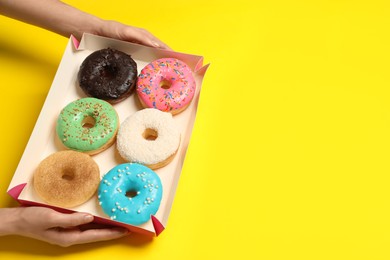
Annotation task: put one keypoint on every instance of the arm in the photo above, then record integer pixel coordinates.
(65, 20)
(53, 227)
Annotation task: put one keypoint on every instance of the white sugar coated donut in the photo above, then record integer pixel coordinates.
(149, 137)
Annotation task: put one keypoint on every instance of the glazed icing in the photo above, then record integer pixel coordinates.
(166, 84)
(130, 193)
(71, 124)
(133, 147)
(108, 74)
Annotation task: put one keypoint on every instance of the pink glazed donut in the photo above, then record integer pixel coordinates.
(166, 84)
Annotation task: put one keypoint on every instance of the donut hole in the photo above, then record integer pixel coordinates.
(131, 193)
(150, 134)
(109, 71)
(88, 122)
(165, 84)
(67, 175)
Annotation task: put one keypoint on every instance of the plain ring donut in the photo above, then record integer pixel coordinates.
(149, 137)
(66, 178)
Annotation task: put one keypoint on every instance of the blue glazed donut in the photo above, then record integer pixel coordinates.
(130, 193)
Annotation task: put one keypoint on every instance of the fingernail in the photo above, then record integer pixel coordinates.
(156, 44)
(123, 231)
(88, 218)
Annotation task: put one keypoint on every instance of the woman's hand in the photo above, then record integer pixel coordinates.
(53, 227)
(116, 30)
(67, 20)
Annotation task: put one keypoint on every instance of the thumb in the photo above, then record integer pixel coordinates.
(70, 220)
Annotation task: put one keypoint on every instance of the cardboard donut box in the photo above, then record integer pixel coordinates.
(64, 89)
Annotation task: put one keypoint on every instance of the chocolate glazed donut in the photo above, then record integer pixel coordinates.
(108, 74)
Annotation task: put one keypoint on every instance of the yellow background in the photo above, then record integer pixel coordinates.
(289, 157)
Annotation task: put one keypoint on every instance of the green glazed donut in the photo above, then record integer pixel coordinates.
(87, 125)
